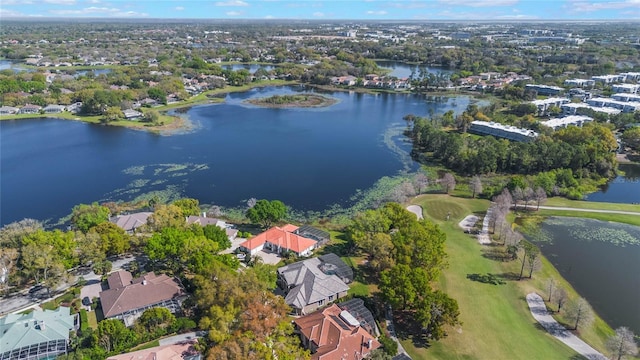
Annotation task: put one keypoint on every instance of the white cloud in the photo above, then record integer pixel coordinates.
(61, 2)
(379, 12)
(17, 2)
(10, 13)
(97, 11)
(408, 5)
(588, 6)
(234, 13)
(517, 17)
(179, 8)
(478, 3)
(232, 3)
(318, 14)
(269, 17)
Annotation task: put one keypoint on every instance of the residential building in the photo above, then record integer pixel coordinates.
(626, 88)
(131, 222)
(582, 108)
(309, 232)
(333, 333)
(356, 308)
(545, 89)
(626, 97)
(502, 131)
(575, 120)
(545, 104)
(312, 283)
(204, 221)
(54, 109)
(180, 351)
(37, 335)
(279, 240)
(580, 82)
(131, 114)
(8, 110)
(127, 298)
(608, 79)
(74, 108)
(30, 109)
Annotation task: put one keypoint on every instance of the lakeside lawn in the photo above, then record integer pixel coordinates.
(581, 204)
(496, 321)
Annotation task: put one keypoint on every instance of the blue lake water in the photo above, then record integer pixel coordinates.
(308, 158)
(623, 189)
(404, 70)
(251, 67)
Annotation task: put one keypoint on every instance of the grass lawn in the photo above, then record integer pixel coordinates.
(92, 319)
(496, 322)
(559, 201)
(621, 218)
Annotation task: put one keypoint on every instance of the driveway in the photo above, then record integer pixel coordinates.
(269, 257)
(234, 245)
(91, 291)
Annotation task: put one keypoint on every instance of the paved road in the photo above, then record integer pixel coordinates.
(392, 332)
(540, 313)
(180, 338)
(590, 210)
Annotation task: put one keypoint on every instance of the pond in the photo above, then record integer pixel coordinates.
(251, 67)
(623, 189)
(15, 66)
(404, 70)
(602, 262)
(309, 158)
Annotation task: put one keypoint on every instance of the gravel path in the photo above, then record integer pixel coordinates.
(416, 209)
(540, 313)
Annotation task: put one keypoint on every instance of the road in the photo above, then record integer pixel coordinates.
(21, 301)
(181, 338)
(590, 210)
(542, 315)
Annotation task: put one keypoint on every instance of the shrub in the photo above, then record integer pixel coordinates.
(388, 344)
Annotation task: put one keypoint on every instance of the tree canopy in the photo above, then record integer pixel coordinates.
(266, 213)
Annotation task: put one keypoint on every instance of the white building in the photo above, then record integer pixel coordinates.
(626, 88)
(544, 104)
(609, 79)
(502, 131)
(580, 82)
(576, 120)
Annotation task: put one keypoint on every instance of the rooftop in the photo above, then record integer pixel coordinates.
(20, 330)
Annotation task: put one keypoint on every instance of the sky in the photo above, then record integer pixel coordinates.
(327, 9)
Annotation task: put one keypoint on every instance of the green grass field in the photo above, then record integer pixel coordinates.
(496, 322)
(563, 202)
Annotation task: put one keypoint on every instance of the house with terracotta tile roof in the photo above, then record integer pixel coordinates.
(127, 298)
(333, 333)
(310, 284)
(180, 351)
(279, 240)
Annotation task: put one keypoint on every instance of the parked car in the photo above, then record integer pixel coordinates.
(86, 301)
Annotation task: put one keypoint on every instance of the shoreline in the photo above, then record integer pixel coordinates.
(295, 103)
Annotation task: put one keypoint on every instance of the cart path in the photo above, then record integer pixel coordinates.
(542, 315)
(590, 210)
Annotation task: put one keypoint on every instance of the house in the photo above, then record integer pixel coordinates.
(75, 107)
(180, 351)
(334, 333)
(204, 221)
(356, 308)
(311, 283)
(131, 222)
(131, 114)
(30, 109)
(309, 232)
(37, 335)
(279, 240)
(8, 110)
(127, 298)
(54, 109)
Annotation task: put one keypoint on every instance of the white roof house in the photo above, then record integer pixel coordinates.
(577, 120)
(502, 131)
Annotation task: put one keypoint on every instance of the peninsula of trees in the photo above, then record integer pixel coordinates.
(293, 101)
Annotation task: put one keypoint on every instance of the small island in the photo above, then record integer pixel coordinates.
(294, 101)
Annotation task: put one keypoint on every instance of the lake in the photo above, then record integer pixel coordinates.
(623, 189)
(251, 67)
(404, 70)
(308, 158)
(602, 262)
(15, 66)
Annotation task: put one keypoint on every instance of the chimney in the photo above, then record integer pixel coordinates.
(144, 282)
(370, 343)
(204, 214)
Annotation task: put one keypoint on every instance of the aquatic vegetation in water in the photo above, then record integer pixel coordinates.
(134, 170)
(596, 230)
(391, 137)
(138, 183)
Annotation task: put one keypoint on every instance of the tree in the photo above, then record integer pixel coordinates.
(421, 182)
(550, 286)
(622, 344)
(217, 235)
(560, 297)
(84, 217)
(476, 186)
(530, 253)
(155, 318)
(89, 248)
(580, 313)
(631, 137)
(113, 336)
(541, 197)
(11, 234)
(188, 206)
(448, 182)
(266, 212)
(113, 239)
(152, 116)
(166, 216)
(112, 113)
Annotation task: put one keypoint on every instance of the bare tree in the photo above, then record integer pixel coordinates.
(530, 253)
(534, 263)
(421, 182)
(550, 285)
(541, 197)
(622, 344)
(251, 203)
(527, 195)
(504, 200)
(580, 313)
(560, 297)
(448, 182)
(518, 195)
(476, 186)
